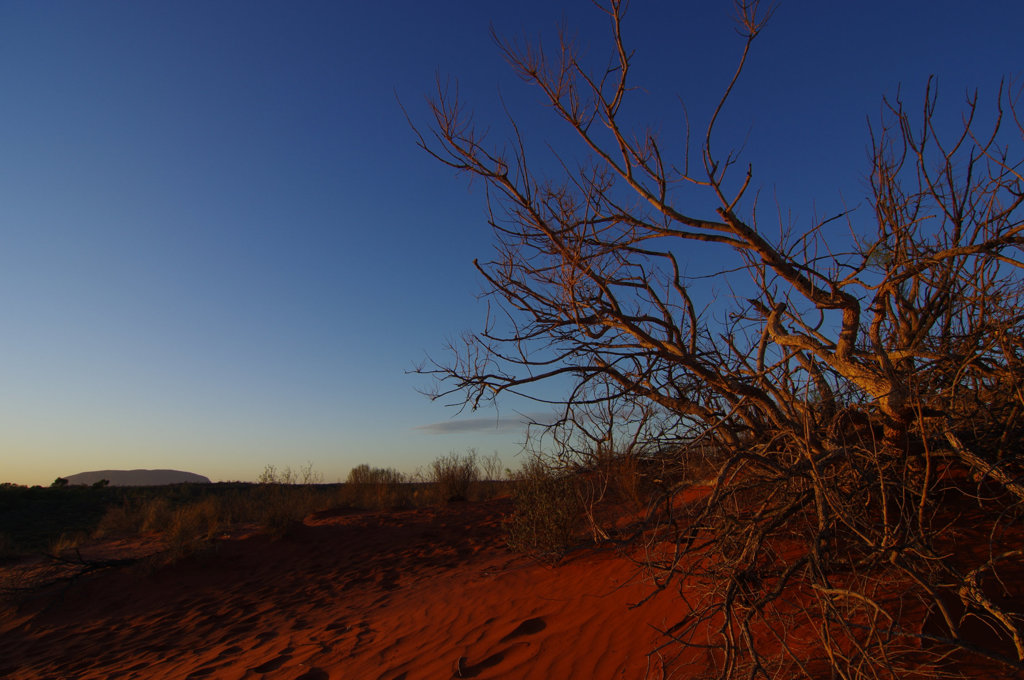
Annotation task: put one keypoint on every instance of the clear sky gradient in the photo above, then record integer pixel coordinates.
(220, 247)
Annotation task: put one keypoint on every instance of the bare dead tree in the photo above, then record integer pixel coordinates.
(850, 404)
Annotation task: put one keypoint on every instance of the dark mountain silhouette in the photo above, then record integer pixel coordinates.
(137, 477)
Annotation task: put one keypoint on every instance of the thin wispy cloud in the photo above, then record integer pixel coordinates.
(485, 425)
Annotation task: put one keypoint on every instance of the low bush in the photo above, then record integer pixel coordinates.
(192, 526)
(136, 514)
(278, 506)
(548, 511)
(118, 520)
(67, 543)
(628, 479)
(454, 475)
(156, 514)
(493, 479)
(33, 518)
(376, 488)
(304, 476)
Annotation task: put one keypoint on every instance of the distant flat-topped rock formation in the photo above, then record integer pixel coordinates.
(137, 477)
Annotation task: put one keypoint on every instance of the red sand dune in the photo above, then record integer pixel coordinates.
(429, 593)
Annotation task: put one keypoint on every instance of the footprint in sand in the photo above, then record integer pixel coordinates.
(314, 674)
(527, 627)
(464, 669)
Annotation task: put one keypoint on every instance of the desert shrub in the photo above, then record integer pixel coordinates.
(373, 476)
(66, 543)
(832, 379)
(492, 467)
(283, 497)
(145, 512)
(240, 507)
(548, 511)
(305, 475)
(372, 487)
(271, 475)
(156, 514)
(454, 475)
(194, 522)
(492, 477)
(626, 481)
(279, 506)
(118, 520)
(192, 527)
(34, 517)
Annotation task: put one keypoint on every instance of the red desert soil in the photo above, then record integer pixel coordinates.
(429, 593)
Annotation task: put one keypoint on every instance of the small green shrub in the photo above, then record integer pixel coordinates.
(454, 475)
(548, 511)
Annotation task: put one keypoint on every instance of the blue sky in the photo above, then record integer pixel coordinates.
(220, 247)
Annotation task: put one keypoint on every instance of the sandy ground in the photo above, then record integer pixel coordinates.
(429, 593)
